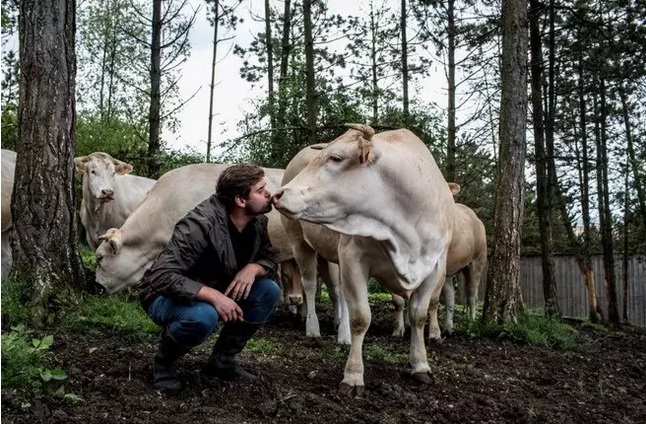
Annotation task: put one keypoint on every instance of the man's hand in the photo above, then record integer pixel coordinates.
(242, 282)
(228, 310)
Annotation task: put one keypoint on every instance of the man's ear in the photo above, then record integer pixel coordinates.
(240, 201)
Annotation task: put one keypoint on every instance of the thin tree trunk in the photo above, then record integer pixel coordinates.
(605, 218)
(404, 60)
(270, 65)
(625, 234)
(542, 199)
(503, 301)
(583, 255)
(632, 160)
(43, 209)
(154, 118)
(310, 96)
(284, 63)
(373, 63)
(216, 25)
(450, 150)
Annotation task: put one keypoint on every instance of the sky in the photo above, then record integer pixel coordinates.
(232, 94)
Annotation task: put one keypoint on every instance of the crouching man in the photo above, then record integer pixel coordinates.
(216, 267)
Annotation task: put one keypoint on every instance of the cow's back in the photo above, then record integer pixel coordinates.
(8, 174)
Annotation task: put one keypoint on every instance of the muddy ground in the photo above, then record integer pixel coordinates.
(474, 380)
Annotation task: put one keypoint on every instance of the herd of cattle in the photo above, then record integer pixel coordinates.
(364, 205)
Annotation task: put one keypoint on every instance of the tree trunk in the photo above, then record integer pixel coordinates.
(270, 65)
(583, 255)
(632, 160)
(284, 62)
(404, 61)
(543, 202)
(216, 25)
(45, 238)
(310, 96)
(373, 64)
(605, 218)
(154, 118)
(450, 150)
(625, 236)
(503, 301)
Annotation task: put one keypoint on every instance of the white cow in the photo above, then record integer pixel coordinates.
(467, 255)
(127, 252)
(8, 173)
(386, 196)
(110, 193)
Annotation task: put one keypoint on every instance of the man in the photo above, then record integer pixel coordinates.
(216, 267)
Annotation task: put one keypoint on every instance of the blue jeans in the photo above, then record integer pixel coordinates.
(190, 325)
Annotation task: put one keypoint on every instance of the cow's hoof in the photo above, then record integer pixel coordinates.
(435, 341)
(351, 391)
(447, 333)
(421, 378)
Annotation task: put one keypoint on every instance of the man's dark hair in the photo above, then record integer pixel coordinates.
(237, 180)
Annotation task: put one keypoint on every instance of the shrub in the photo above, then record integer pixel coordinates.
(25, 361)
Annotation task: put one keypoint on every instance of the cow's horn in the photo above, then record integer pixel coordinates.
(367, 130)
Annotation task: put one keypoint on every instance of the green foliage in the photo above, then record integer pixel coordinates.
(15, 297)
(25, 361)
(112, 314)
(88, 257)
(378, 353)
(531, 330)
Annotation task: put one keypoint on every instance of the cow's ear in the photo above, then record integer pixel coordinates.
(122, 167)
(319, 146)
(115, 245)
(455, 188)
(80, 163)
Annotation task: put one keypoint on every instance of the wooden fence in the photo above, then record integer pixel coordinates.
(572, 295)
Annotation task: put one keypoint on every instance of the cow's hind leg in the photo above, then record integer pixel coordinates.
(306, 260)
(428, 292)
(330, 274)
(400, 324)
(449, 305)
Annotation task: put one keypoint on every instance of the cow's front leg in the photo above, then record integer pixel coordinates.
(449, 305)
(306, 260)
(354, 276)
(400, 325)
(330, 273)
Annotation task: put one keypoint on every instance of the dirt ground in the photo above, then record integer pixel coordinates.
(474, 380)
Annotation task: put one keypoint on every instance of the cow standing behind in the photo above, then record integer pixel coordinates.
(8, 175)
(110, 193)
(126, 252)
(386, 196)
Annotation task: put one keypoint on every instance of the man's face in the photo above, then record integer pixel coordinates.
(259, 199)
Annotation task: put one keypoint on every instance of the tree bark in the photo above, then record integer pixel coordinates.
(154, 119)
(45, 238)
(605, 217)
(450, 150)
(216, 25)
(405, 102)
(543, 195)
(503, 301)
(310, 96)
(270, 65)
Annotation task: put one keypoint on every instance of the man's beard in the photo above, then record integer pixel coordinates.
(262, 210)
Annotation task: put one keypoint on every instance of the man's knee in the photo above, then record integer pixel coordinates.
(271, 290)
(195, 327)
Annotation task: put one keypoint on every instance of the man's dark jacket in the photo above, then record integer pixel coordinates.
(200, 253)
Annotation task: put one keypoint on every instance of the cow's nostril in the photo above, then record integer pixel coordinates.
(107, 192)
(278, 195)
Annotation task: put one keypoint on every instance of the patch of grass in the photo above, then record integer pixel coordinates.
(25, 361)
(88, 257)
(264, 346)
(532, 330)
(113, 314)
(378, 353)
(15, 295)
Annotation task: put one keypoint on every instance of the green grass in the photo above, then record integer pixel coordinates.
(15, 297)
(379, 353)
(112, 314)
(532, 330)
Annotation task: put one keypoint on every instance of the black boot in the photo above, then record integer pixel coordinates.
(232, 339)
(164, 373)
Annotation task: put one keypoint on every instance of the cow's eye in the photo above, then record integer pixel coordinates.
(335, 158)
(93, 172)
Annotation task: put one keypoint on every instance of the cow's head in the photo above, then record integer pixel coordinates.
(335, 182)
(99, 171)
(120, 263)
